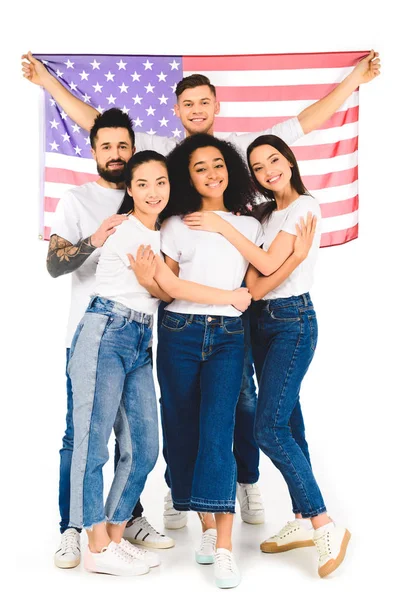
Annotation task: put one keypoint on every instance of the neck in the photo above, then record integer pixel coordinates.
(209, 132)
(213, 204)
(285, 197)
(148, 221)
(110, 185)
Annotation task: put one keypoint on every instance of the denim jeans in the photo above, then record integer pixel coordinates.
(113, 386)
(245, 449)
(284, 335)
(200, 367)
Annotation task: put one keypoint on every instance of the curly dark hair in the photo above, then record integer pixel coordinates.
(239, 196)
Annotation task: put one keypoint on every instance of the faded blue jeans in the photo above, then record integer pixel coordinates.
(112, 384)
(200, 366)
(284, 336)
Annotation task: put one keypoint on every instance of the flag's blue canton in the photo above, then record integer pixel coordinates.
(143, 87)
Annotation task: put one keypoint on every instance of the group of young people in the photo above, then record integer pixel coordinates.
(182, 225)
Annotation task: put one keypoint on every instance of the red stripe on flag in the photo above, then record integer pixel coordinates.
(46, 233)
(54, 175)
(326, 150)
(256, 62)
(319, 182)
(273, 93)
(341, 207)
(50, 204)
(335, 238)
(249, 124)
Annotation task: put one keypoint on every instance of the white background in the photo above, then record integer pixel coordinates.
(350, 396)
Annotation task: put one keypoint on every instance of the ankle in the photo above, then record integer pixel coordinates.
(223, 546)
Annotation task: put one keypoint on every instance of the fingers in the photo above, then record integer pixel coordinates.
(145, 254)
(132, 261)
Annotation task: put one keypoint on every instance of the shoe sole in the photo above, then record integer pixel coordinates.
(228, 583)
(254, 520)
(204, 559)
(116, 573)
(156, 545)
(333, 564)
(176, 524)
(274, 548)
(69, 564)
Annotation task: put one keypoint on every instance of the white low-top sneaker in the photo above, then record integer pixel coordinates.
(68, 554)
(292, 535)
(205, 554)
(331, 542)
(226, 571)
(150, 558)
(142, 533)
(251, 504)
(173, 519)
(113, 560)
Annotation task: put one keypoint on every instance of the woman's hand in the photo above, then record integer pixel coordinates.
(144, 266)
(305, 236)
(204, 221)
(241, 299)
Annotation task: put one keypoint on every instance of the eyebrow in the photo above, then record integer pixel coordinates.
(107, 143)
(258, 163)
(202, 162)
(190, 100)
(158, 178)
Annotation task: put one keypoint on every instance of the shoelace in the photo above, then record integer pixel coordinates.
(120, 552)
(132, 550)
(322, 543)
(69, 542)
(224, 561)
(286, 528)
(207, 538)
(145, 524)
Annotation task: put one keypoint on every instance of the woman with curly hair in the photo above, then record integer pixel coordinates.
(201, 347)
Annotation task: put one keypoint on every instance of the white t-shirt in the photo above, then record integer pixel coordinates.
(80, 213)
(290, 131)
(115, 279)
(301, 279)
(208, 258)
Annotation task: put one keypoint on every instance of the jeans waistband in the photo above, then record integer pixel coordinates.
(109, 306)
(302, 300)
(204, 319)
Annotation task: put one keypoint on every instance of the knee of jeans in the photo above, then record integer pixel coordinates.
(267, 438)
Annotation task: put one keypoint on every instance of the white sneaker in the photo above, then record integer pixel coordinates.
(205, 554)
(292, 535)
(331, 542)
(226, 571)
(68, 554)
(113, 560)
(251, 504)
(142, 533)
(150, 558)
(173, 519)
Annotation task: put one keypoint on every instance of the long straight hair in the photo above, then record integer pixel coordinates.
(264, 210)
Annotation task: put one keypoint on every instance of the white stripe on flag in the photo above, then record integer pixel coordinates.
(328, 165)
(336, 193)
(72, 163)
(328, 136)
(341, 222)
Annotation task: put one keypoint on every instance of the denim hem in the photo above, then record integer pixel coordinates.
(208, 506)
(314, 513)
(248, 482)
(88, 527)
(64, 529)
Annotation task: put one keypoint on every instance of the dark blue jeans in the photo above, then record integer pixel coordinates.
(200, 367)
(245, 449)
(64, 490)
(284, 335)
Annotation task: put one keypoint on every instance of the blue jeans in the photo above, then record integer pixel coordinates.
(245, 449)
(200, 367)
(113, 386)
(284, 335)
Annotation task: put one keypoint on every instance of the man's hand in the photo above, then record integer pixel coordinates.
(305, 236)
(368, 68)
(144, 266)
(33, 69)
(204, 221)
(242, 299)
(106, 229)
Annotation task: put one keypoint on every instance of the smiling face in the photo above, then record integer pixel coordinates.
(113, 148)
(196, 108)
(149, 188)
(271, 169)
(208, 172)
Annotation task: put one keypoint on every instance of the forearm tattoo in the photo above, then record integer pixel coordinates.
(63, 257)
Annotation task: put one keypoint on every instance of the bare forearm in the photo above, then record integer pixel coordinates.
(64, 257)
(83, 114)
(260, 286)
(154, 289)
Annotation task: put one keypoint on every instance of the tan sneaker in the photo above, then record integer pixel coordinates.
(292, 535)
(331, 542)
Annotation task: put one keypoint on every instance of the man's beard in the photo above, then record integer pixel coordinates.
(112, 176)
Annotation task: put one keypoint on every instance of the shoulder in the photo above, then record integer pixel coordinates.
(172, 223)
(308, 203)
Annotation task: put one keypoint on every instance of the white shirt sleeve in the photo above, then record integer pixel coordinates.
(169, 239)
(66, 219)
(259, 236)
(300, 209)
(158, 143)
(290, 131)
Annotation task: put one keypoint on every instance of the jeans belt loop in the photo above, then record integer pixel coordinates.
(305, 300)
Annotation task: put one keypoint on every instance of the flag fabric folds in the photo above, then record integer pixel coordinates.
(255, 92)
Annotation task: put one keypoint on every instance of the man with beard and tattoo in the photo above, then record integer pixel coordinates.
(84, 218)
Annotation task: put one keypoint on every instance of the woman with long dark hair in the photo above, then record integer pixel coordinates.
(284, 337)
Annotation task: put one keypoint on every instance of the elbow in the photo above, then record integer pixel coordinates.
(256, 295)
(266, 271)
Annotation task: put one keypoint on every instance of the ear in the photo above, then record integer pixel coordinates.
(129, 192)
(176, 109)
(133, 150)
(217, 108)
(93, 151)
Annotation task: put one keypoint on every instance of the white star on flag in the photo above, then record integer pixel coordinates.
(110, 76)
(137, 99)
(163, 99)
(138, 122)
(147, 65)
(77, 149)
(69, 64)
(121, 64)
(86, 98)
(54, 146)
(87, 140)
(111, 99)
(174, 65)
(151, 131)
(63, 115)
(163, 122)
(73, 86)
(95, 65)
(176, 133)
(97, 87)
(66, 137)
(84, 76)
(54, 124)
(135, 76)
(59, 73)
(76, 128)
(123, 88)
(149, 88)
(125, 109)
(161, 77)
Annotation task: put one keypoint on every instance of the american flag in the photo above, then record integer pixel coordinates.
(255, 91)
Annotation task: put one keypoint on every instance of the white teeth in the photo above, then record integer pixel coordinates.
(273, 179)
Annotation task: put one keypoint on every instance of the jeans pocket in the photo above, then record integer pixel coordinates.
(233, 326)
(116, 323)
(286, 314)
(174, 321)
